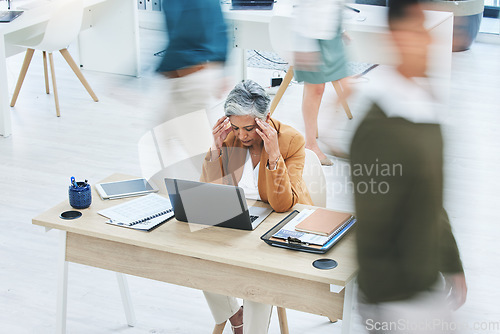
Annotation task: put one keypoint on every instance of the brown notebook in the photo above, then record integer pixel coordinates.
(324, 222)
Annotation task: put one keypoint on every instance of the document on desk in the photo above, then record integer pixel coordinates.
(288, 231)
(143, 213)
(285, 235)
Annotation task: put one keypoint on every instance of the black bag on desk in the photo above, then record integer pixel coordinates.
(296, 244)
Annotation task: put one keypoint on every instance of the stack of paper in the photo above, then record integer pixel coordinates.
(315, 227)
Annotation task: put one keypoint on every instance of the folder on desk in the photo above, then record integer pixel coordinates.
(324, 222)
(273, 237)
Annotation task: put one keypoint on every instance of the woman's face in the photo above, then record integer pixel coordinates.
(244, 129)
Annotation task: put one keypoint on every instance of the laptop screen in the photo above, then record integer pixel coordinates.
(205, 203)
(203, 206)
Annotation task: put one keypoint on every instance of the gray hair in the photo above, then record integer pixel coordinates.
(247, 98)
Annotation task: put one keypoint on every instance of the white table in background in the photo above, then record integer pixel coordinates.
(370, 37)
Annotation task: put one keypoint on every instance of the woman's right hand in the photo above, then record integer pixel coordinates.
(220, 131)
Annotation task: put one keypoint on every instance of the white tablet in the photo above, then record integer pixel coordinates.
(127, 188)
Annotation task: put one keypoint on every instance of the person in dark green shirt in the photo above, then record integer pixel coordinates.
(406, 250)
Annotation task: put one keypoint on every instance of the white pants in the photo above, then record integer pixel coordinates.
(427, 312)
(256, 316)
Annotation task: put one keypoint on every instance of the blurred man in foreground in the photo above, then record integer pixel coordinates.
(411, 275)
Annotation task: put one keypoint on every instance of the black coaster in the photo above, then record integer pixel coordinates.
(70, 214)
(325, 264)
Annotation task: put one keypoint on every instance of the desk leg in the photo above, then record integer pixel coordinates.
(349, 298)
(127, 301)
(238, 60)
(244, 64)
(238, 54)
(5, 122)
(62, 290)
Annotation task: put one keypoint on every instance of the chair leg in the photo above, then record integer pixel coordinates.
(284, 85)
(54, 85)
(343, 101)
(282, 320)
(219, 328)
(46, 72)
(22, 75)
(78, 73)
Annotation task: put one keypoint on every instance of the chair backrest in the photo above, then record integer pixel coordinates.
(175, 148)
(314, 178)
(281, 36)
(63, 26)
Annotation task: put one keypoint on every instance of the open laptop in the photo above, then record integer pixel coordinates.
(214, 205)
(9, 15)
(252, 4)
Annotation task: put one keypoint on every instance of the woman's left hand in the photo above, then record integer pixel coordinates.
(269, 136)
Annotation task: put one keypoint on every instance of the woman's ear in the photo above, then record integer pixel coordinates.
(268, 117)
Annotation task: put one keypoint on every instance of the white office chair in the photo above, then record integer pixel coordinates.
(175, 149)
(282, 40)
(62, 28)
(315, 179)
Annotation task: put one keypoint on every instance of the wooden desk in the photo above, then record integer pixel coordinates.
(112, 45)
(225, 261)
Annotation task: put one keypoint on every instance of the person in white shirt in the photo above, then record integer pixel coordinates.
(319, 58)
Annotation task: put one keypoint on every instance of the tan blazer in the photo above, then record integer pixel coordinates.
(283, 187)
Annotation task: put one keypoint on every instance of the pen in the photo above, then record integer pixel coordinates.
(8, 4)
(73, 182)
(354, 9)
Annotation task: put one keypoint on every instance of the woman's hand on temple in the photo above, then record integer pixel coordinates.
(270, 138)
(219, 132)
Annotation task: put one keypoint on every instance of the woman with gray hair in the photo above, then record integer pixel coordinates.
(266, 159)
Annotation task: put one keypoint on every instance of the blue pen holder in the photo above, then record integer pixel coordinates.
(80, 196)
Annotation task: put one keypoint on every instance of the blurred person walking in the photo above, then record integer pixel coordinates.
(191, 74)
(319, 58)
(195, 55)
(410, 273)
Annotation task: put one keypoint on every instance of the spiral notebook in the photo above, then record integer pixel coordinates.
(143, 213)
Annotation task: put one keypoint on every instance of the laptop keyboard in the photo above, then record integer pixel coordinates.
(253, 218)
